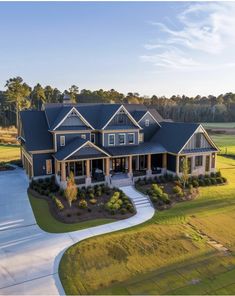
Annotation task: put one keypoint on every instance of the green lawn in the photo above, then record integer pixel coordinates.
(165, 255)
(9, 152)
(226, 143)
(219, 124)
(49, 224)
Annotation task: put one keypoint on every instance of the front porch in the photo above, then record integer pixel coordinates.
(112, 171)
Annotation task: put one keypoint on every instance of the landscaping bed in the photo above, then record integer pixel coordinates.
(5, 167)
(167, 190)
(90, 203)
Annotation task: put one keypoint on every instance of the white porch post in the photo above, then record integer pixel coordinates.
(149, 167)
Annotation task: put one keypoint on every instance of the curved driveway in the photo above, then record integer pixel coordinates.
(29, 257)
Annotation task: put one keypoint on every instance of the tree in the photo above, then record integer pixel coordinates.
(38, 96)
(71, 190)
(73, 92)
(185, 174)
(17, 93)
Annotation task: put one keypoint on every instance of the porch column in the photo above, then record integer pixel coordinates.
(130, 173)
(88, 173)
(63, 172)
(149, 167)
(107, 171)
(164, 162)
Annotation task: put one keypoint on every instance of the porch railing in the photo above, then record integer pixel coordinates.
(139, 173)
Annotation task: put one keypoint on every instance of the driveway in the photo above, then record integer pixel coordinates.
(29, 257)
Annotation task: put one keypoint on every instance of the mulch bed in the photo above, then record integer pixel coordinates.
(168, 188)
(6, 167)
(75, 214)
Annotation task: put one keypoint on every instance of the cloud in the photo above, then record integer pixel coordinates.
(206, 33)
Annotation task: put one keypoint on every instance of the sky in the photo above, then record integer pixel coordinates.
(161, 48)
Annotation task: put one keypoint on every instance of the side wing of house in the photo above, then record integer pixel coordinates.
(149, 126)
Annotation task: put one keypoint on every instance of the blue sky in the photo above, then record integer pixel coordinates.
(161, 48)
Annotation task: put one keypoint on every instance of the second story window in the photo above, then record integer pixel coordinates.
(131, 138)
(62, 140)
(122, 139)
(141, 137)
(83, 136)
(146, 122)
(92, 138)
(111, 139)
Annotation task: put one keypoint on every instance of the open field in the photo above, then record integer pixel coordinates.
(165, 255)
(219, 124)
(9, 152)
(226, 143)
(48, 223)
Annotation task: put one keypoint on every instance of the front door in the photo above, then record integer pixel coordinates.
(119, 164)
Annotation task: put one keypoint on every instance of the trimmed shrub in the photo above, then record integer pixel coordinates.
(201, 182)
(93, 201)
(131, 210)
(224, 179)
(164, 197)
(91, 195)
(213, 181)
(154, 198)
(82, 204)
(219, 180)
(195, 183)
(207, 182)
(177, 189)
(58, 203)
(218, 174)
(123, 211)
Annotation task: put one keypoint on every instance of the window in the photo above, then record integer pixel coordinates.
(111, 139)
(48, 167)
(131, 138)
(146, 122)
(62, 140)
(83, 136)
(121, 139)
(141, 137)
(92, 138)
(198, 140)
(198, 161)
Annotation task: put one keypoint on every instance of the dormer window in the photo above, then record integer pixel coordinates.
(62, 140)
(146, 122)
(92, 138)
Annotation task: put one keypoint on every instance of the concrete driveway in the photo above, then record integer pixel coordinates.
(29, 257)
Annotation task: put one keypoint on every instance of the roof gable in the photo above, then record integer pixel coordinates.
(64, 116)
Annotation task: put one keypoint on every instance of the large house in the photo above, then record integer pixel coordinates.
(110, 143)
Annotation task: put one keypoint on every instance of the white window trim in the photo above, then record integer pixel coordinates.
(109, 140)
(83, 136)
(133, 138)
(50, 172)
(124, 139)
(62, 142)
(93, 135)
(146, 123)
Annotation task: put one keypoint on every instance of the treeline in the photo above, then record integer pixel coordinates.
(19, 95)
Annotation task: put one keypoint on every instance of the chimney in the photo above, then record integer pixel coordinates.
(66, 99)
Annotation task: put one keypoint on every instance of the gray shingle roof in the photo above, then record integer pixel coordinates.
(174, 135)
(35, 130)
(69, 148)
(143, 148)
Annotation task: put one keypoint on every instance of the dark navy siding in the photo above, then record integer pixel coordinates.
(117, 141)
(39, 161)
(69, 138)
(150, 130)
(171, 162)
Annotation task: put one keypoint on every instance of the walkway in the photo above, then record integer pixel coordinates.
(29, 257)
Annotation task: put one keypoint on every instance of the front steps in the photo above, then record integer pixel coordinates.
(139, 199)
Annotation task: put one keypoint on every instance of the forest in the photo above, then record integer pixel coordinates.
(18, 95)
